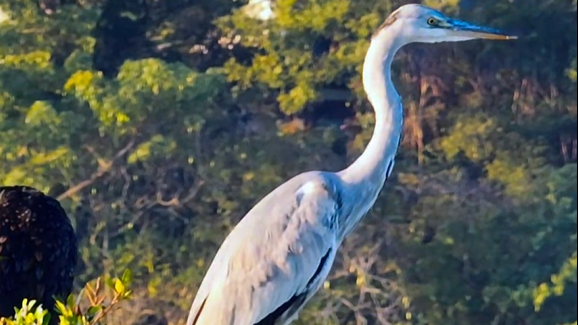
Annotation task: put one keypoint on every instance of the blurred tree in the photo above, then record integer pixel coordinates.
(38, 249)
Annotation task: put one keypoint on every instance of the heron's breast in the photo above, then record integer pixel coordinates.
(360, 200)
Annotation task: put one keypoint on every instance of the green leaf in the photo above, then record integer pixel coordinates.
(119, 287)
(126, 277)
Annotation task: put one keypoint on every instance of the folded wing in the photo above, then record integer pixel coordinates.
(274, 260)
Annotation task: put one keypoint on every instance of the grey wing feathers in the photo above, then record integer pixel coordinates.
(274, 259)
(291, 307)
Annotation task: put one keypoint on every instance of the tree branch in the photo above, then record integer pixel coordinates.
(99, 173)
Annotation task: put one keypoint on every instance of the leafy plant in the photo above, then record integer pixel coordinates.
(92, 306)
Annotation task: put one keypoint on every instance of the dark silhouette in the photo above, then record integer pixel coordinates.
(38, 249)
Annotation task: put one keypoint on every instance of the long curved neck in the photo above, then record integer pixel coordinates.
(376, 162)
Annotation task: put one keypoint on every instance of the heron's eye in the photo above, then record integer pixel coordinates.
(432, 21)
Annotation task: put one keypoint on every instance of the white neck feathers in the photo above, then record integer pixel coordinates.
(376, 162)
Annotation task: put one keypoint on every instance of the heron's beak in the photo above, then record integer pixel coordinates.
(465, 29)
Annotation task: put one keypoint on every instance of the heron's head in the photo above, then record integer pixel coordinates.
(416, 23)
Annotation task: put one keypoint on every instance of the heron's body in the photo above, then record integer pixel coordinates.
(281, 252)
(305, 228)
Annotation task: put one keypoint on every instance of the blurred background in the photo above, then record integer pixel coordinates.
(158, 124)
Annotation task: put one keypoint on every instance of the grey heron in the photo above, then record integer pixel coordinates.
(280, 253)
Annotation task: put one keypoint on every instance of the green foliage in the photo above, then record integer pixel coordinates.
(101, 303)
(29, 314)
(158, 128)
